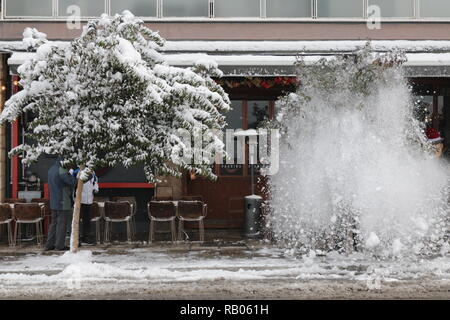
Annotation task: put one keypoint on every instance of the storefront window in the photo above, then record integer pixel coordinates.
(236, 8)
(340, 9)
(397, 8)
(140, 8)
(89, 8)
(28, 8)
(234, 121)
(435, 9)
(183, 8)
(234, 117)
(288, 8)
(423, 108)
(258, 113)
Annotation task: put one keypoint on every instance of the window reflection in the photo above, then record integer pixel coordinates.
(435, 8)
(183, 8)
(340, 9)
(288, 8)
(258, 113)
(89, 8)
(28, 8)
(397, 8)
(237, 8)
(234, 116)
(140, 8)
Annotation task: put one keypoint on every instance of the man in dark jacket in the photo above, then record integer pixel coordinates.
(61, 184)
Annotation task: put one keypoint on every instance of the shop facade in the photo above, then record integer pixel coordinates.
(256, 54)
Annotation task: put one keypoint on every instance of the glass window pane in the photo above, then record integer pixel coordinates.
(234, 117)
(340, 9)
(183, 8)
(28, 8)
(288, 8)
(258, 112)
(236, 8)
(89, 8)
(397, 8)
(435, 9)
(140, 8)
(234, 121)
(423, 108)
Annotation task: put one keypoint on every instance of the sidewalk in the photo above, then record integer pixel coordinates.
(229, 240)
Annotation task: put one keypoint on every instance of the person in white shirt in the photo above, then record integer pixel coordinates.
(87, 198)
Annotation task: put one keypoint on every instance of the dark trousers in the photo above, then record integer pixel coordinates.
(85, 214)
(57, 232)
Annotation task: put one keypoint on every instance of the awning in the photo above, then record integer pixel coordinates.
(260, 58)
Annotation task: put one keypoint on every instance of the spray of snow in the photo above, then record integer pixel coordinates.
(355, 168)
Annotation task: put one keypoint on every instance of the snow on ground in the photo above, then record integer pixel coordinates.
(129, 272)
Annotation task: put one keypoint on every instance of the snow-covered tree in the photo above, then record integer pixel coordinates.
(109, 98)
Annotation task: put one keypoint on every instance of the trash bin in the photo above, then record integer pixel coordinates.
(253, 216)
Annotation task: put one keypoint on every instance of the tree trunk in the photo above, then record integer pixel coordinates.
(75, 235)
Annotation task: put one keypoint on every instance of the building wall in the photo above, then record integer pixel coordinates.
(57, 30)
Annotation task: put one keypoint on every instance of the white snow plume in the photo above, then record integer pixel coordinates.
(355, 168)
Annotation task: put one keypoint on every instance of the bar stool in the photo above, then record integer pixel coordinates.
(116, 212)
(96, 217)
(192, 211)
(28, 213)
(161, 211)
(133, 202)
(6, 218)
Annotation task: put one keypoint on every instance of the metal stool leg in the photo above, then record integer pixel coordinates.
(133, 227)
(180, 228)
(202, 230)
(10, 235)
(19, 233)
(150, 231)
(41, 231)
(97, 231)
(106, 231)
(172, 229)
(101, 227)
(129, 231)
(38, 236)
(36, 226)
(15, 234)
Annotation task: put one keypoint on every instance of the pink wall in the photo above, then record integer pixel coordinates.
(256, 30)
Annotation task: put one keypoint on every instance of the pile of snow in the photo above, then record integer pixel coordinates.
(85, 269)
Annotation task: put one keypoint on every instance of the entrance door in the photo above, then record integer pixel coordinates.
(225, 197)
